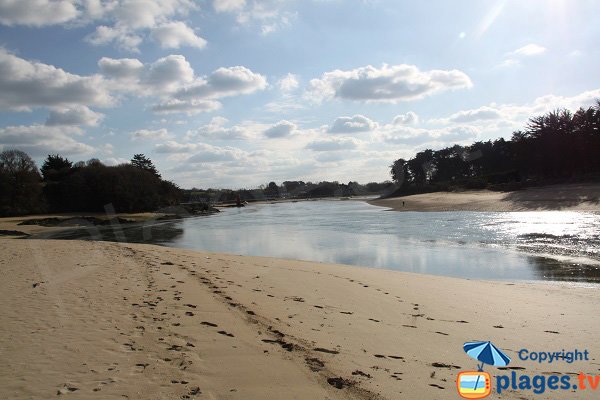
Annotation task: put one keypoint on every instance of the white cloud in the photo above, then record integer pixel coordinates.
(173, 147)
(41, 140)
(514, 57)
(165, 75)
(414, 137)
(528, 50)
(288, 83)
(173, 35)
(268, 15)
(37, 12)
(189, 107)
(281, 129)
(356, 123)
(146, 134)
(123, 22)
(386, 84)
(224, 82)
(228, 5)
(410, 118)
(121, 69)
(77, 115)
(333, 144)
(216, 129)
(206, 153)
(124, 39)
(25, 85)
(172, 78)
(512, 115)
(478, 114)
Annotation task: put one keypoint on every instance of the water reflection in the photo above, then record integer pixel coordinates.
(463, 244)
(515, 246)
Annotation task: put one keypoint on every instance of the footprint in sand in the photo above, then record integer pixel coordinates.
(323, 350)
(225, 333)
(358, 372)
(339, 382)
(314, 364)
(208, 324)
(443, 365)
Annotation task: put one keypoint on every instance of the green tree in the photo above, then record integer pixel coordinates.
(55, 167)
(143, 162)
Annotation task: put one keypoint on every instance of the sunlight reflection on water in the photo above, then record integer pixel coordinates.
(487, 245)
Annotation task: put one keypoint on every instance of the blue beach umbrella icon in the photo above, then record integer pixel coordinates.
(487, 353)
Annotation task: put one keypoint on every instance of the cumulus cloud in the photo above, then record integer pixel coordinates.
(165, 75)
(173, 79)
(150, 134)
(121, 69)
(333, 144)
(25, 85)
(356, 123)
(224, 82)
(120, 36)
(40, 140)
(281, 129)
(288, 83)
(173, 35)
(77, 115)
(37, 12)
(410, 118)
(122, 22)
(386, 84)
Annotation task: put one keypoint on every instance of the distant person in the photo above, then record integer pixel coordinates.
(402, 204)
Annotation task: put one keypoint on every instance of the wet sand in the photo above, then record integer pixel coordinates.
(103, 320)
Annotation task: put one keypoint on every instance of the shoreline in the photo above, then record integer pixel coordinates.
(105, 320)
(564, 197)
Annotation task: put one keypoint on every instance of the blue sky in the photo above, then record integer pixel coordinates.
(236, 93)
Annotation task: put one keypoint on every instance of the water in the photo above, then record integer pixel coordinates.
(547, 245)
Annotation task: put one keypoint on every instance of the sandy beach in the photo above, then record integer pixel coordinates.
(103, 320)
(572, 197)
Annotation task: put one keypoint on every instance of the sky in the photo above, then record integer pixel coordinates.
(238, 93)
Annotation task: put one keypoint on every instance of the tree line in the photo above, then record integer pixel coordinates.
(63, 186)
(289, 190)
(557, 146)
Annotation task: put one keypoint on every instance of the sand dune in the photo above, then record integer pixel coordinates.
(573, 197)
(106, 320)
